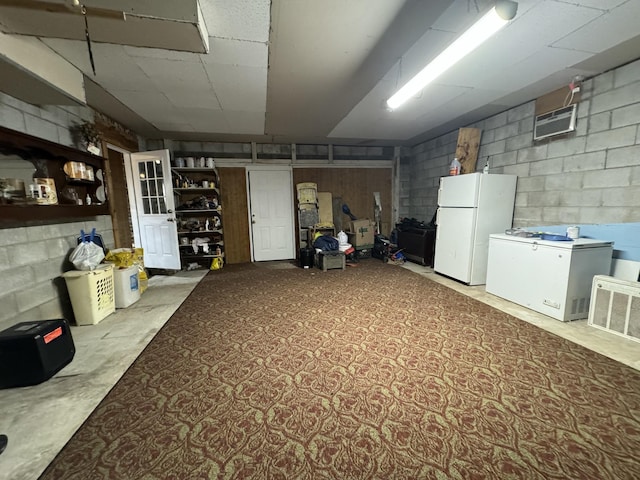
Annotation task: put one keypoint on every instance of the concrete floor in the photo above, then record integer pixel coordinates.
(610, 345)
(39, 420)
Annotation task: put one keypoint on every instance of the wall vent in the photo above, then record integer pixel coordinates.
(615, 306)
(556, 122)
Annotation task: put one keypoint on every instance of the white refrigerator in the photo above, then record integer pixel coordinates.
(470, 208)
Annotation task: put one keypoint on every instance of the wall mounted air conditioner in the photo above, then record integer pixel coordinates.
(556, 122)
(615, 306)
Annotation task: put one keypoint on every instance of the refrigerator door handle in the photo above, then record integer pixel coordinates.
(437, 223)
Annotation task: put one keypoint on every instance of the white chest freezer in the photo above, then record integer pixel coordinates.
(550, 277)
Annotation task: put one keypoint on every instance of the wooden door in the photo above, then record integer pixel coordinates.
(119, 200)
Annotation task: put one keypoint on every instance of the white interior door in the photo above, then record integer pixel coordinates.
(153, 194)
(271, 211)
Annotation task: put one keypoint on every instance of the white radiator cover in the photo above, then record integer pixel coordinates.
(615, 306)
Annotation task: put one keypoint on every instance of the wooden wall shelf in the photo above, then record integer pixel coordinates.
(29, 215)
(48, 159)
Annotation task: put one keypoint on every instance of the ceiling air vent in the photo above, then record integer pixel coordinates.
(556, 122)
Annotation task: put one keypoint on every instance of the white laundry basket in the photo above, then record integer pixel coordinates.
(92, 293)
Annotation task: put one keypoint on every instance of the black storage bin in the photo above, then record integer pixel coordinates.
(306, 257)
(32, 352)
(418, 244)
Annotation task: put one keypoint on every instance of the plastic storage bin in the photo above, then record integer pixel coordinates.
(92, 293)
(32, 352)
(330, 260)
(126, 286)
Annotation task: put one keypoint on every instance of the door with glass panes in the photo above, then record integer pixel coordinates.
(155, 207)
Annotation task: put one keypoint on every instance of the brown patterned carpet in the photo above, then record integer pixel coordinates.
(370, 373)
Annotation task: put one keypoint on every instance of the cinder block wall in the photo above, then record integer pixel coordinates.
(591, 176)
(32, 258)
(50, 122)
(404, 193)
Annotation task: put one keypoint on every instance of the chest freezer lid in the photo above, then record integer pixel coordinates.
(576, 244)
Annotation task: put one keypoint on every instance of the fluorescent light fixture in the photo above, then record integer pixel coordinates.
(490, 23)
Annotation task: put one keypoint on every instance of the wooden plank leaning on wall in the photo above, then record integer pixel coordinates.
(235, 219)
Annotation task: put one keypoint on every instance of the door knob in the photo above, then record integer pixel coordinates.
(169, 211)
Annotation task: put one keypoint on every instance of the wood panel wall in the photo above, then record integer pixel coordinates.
(235, 223)
(355, 186)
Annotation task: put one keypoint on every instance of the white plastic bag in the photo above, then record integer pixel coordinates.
(342, 238)
(86, 256)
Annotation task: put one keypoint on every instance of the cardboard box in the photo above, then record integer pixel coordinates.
(361, 233)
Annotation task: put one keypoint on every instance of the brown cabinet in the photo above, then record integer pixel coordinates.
(73, 176)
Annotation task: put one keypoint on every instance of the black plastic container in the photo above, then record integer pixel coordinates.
(32, 352)
(306, 257)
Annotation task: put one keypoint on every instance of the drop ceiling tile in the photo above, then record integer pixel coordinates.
(225, 51)
(158, 23)
(599, 4)
(151, 105)
(162, 54)
(114, 67)
(422, 52)
(549, 22)
(169, 74)
(240, 88)
(250, 123)
(609, 29)
(540, 24)
(186, 97)
(205, 120)
(237, 19)
(528, 71)
(371, 114)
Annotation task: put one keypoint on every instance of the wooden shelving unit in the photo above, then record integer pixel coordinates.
(48, 160)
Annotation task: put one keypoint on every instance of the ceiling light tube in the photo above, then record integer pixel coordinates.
(490, 23)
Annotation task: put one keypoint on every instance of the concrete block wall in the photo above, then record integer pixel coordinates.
(32, 258)
(429, 161)
(591, 176)
(404, 193)
(50, 122)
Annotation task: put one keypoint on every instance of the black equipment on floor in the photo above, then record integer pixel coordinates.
(32, 352)
(306, 257)
(417, 240)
